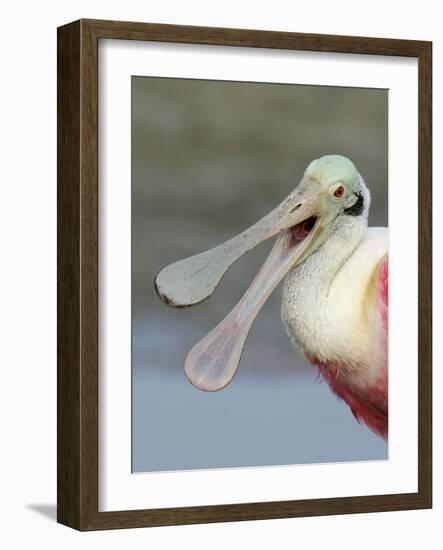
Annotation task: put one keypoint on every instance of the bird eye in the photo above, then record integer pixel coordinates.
(339, 192)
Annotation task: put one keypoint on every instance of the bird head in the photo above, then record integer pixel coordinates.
(344, 191)
(330, 191)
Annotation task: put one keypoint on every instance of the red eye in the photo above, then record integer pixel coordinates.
(339, 192)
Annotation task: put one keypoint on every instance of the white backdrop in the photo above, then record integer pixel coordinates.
(28, 276)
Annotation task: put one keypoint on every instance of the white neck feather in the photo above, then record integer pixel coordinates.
(320, 268)
(309, 316)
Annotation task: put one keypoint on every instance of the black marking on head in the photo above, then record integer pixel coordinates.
(357, 208)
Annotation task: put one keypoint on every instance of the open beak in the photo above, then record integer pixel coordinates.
(213, 362)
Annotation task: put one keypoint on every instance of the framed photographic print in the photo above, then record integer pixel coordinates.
(198, 383)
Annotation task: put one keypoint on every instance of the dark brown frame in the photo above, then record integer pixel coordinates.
(77, 456)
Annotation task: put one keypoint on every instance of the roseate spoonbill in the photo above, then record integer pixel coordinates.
(335, 294)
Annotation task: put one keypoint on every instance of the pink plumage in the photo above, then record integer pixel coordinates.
(368, 403)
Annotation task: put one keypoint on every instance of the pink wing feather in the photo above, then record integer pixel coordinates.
(378, 421)
(380, 344)
(368, 405)
(383, 291)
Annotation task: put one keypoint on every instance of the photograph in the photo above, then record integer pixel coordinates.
(244, 274)
(259, 269)
(218, 286)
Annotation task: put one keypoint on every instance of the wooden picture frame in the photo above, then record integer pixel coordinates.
(77, 456)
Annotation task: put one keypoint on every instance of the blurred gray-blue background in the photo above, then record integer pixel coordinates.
(209, 158)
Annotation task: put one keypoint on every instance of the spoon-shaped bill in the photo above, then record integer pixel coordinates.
(213, 362)
(191, 280)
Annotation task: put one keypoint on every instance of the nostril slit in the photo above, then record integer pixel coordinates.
(296, 207)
